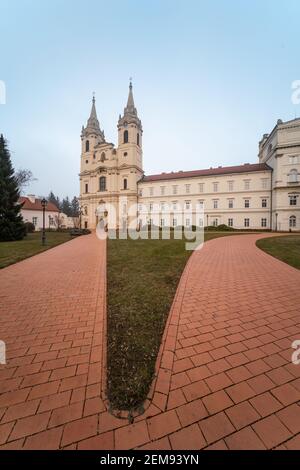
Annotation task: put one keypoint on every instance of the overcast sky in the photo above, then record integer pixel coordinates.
(209, 79)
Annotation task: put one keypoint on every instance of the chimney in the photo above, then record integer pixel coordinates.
(31, 198)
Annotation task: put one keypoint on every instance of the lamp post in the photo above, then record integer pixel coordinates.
(276, 221)
(44, 204)
(207, 220)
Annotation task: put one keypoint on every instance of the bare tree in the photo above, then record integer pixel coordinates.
(24, 178)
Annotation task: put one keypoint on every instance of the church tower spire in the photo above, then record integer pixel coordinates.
(129, 125)
(93, 126)
(130, 133)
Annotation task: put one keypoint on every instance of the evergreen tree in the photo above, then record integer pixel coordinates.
(75, 207)
(66, 206)
(54, 199)
(12, 226)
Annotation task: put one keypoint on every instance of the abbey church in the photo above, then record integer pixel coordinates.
(264, 195)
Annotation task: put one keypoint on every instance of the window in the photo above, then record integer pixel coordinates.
(201, 187)
(264, 203)
(263, 222)
(215, 203)
(125, 154)
(125, 183)
(102, 183)
(151, 206)
(175, 189)
(86, 187)
(125, 137)
(140, 192)
(292, 221)
(230, 185)
(201, 222)
(293, 200)
(230, 203)
(247, 203)
(162, 222)
(293, 176)
(215, 222)
(34, 221)
(162, 206)
(187, 222)
(162, 190)
(87, 146)
(270, 147)
(174, 205)
(215, 187)
(86, 161)
(85, 210)
(201, 204)
(187, 188)
(246, 184)
(264, 183)
(138, 139)
(151, 191)
(174, 222)
(230, 222)
(187, 205)
(294, 159)
(85, 224)
(246, 222)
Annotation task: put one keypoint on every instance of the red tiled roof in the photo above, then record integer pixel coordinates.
(37, 205)
(247, 167)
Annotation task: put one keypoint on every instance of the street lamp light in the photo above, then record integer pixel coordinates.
(44, 204)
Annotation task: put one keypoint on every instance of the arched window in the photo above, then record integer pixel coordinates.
(138, 138)
(292, 221)
(125, 183)
(102, 183)
(87, 146)
(85, 210)
(293, 176)
(125, 137)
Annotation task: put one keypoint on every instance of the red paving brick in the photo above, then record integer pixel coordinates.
(231, 384)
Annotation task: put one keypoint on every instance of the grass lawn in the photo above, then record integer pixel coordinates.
(286, 249)
(12, 252)
(142, 278)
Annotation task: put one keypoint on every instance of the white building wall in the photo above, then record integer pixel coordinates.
(36, 217)
(258, 186)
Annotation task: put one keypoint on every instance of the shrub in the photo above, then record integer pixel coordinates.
(30, 228)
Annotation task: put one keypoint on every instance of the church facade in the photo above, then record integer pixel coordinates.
(114, 188)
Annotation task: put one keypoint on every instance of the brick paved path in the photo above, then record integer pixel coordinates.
(225, 378)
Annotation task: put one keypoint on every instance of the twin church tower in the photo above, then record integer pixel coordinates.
(109, 175)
